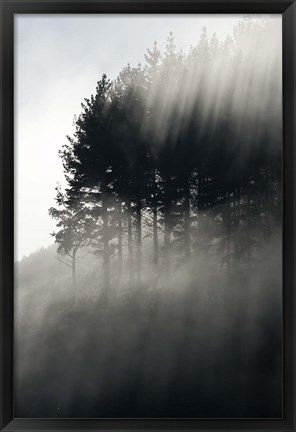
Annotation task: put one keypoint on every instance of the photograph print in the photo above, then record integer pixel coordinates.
(148, 216)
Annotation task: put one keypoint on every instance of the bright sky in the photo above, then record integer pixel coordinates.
(58, 60)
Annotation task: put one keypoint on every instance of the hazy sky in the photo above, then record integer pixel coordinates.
(58, 60)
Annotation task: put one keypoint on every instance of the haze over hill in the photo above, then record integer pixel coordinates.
(168, 303)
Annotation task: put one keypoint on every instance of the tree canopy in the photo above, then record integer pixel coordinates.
(179, 155)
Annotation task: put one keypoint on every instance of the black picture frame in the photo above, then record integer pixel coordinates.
(10, 7)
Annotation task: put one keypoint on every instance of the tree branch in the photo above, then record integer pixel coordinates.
(63, 262)
(83, 256)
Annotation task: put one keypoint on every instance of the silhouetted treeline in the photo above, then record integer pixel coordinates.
(179, 155)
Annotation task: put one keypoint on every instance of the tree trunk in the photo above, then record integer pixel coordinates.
(249, 233)
(106, 252)
(155, 238)
(154, 212)
(237, 252)
(266, 202)
(187, 220)
(74, 274)
(129, 243)
(139, 240)
(119, 239)
(228, 232)
(202, 242)
(167, 237)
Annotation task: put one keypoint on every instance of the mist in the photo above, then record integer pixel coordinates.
(234, 84)
(202, 343)
(163, 295)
